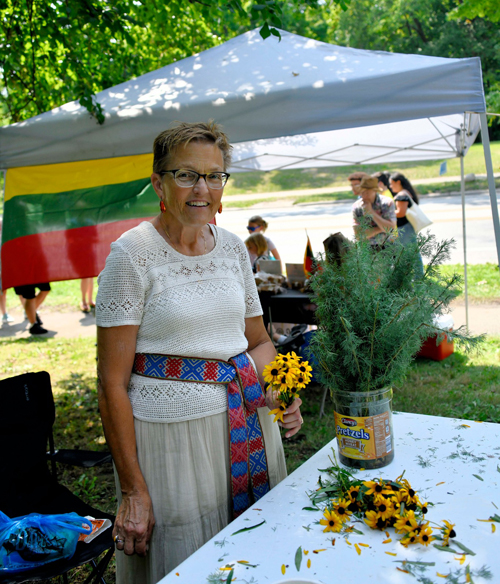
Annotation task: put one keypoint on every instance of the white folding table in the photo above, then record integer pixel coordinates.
(452, 463)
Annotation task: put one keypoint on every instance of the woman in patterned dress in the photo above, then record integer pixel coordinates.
(178, 286)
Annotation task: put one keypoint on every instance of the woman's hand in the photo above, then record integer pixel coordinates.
(134, 524)
(292, 419)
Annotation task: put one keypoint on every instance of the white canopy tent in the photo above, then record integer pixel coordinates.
(293, 103)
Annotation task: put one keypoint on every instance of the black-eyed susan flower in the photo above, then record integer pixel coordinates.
(384, 508)
(374, 520)
(278, 413)
(331, 521)
(425, 536)
(447, 532)
(289, 374)
(341, 508)
(376, 488)
(406, 523)
(272, 373)
(409, 539)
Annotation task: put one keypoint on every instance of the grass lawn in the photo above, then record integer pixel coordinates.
(461, 386)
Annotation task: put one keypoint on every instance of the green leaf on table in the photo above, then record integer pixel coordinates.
(447, 548)
(414, 563)
(249, 528)
(230, 577)
(311, 509)
(478, 477)
(495, 517)
(298, 558)
(463, 548)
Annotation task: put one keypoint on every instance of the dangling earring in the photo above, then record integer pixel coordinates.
(220, 208)
(162, 206)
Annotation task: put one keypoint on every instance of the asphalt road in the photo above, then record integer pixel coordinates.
(288, 224)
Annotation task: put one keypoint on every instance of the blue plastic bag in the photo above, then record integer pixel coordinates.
(34, 540)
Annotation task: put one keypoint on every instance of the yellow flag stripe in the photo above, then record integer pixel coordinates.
(72, 176)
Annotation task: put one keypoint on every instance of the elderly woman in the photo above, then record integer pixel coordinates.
(379, 209)
(257, 225)
(180, 342)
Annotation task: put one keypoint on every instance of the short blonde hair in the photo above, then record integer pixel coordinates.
(182, 133)
(259, 221)
(259, 241)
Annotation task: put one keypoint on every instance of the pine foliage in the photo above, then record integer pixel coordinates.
(375, 311)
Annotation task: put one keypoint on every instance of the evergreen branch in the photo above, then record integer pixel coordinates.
(403, 344)
(372, 345)
(353, 352)
(395, 317)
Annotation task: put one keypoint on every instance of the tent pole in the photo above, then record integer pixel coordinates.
(491, 180)
(462, 190)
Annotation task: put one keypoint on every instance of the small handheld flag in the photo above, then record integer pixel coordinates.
(309, 261)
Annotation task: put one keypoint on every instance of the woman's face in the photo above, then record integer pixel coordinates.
(252, 248)
(395, 185)
(196, 205)
(254, 228)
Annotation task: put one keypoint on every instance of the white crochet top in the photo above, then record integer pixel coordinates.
(193, 306)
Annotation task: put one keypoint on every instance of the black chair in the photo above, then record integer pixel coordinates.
(27, 414)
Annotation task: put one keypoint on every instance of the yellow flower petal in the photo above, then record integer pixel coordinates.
(305, 552)
(493, 528)
(387, 540)
(317, 551)
(441, 483)
(364, 544)
(391, 554)
(357, 549)
(283, 569)
(348, 542)
(309, 563)
(442, 575)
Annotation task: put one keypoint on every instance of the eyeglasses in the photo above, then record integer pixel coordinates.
(188, 178)
(252, 228)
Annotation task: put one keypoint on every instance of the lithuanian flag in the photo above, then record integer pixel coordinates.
(60, 219)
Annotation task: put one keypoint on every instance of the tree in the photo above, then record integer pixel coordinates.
(55, 52)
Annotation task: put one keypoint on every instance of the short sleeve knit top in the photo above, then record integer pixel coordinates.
(193, 306)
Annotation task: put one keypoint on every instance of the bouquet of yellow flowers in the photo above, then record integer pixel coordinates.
(286, 375)
(380, 504)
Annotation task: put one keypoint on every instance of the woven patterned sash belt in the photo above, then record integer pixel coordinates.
(249, 476)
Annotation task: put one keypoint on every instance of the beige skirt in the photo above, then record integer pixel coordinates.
(187, 470)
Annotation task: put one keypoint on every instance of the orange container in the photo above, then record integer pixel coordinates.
(436, 352)
(445, 348)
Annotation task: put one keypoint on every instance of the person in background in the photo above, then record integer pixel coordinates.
(378, 208)
(355, 178)
(87, 288)
(180, 339)
(404, 196)
(257, 225)
(32, 302)
(257, 249)
(384, 183)
(6, 318)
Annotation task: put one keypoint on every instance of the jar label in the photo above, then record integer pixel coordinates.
(364, 438)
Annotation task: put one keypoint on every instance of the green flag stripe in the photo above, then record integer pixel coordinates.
(30, 214)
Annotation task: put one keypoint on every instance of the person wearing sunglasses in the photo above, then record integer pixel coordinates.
(181, 351)
(257, 225)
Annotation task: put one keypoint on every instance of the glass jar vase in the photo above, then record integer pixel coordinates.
(363, 424)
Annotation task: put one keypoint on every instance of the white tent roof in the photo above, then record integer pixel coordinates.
(259, 90)
(426, 139)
